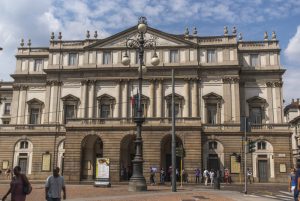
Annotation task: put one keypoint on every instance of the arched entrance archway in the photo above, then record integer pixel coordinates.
(166, 154)
(91, 148)
(127, 152)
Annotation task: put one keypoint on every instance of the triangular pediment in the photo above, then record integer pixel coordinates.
(212, 96)
(162, 39)
(176, 96)
(256, 99)
(35, 101)
(70, 97)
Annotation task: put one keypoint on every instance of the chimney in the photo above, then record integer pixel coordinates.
(292, 100)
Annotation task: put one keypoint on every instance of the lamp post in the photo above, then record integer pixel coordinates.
(137, 181)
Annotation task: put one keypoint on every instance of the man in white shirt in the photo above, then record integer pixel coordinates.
(206, 175)
(54, 185)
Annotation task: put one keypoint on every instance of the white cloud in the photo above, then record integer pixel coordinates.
(291, 84)
(292, 52)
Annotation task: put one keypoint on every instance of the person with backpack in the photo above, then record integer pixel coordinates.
(19, 186)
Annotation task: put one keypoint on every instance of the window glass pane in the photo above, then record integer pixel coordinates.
(254, 59)
(72, 59)
(211, 114)
(34, 116)
(24, 145)
(256, 115)
(7, 108)
(106, 57)
(176, 109)
(70, 112)
(104, 111)
(211, 56)
(38, 65)
(173, 56)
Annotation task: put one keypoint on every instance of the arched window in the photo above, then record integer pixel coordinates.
(23, 145)
(261, 145)
(212, 145)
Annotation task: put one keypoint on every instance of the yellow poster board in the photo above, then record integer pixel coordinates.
(235, 166)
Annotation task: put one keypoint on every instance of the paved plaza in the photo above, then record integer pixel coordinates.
(191, 192)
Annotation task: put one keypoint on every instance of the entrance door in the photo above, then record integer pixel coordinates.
(263, 170)
(213, 162)
(23, 165)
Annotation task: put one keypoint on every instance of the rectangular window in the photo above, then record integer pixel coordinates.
(104, 111)
(211, 56)
(176, 109)
(106, 57)
(256, 115)
(70, 112)
(174, 56)
(72, 59)
(7, 108)
(34, 116)
(254, 60)
(38, 65)
(213, 145)
(211, 114)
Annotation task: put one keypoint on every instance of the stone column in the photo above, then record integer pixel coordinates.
(47, 102)
(201, 103)
(54, 102)
(23, 104)
(125, 100)
(159, 96)
(195, 99)
(91, 93)
(270, 102)
(279, 101)
(117, 110)
(186, 93)
(242, 100)
(227, 99)
(83, 109)
(151, 106)
(236, 99)
(15, 104)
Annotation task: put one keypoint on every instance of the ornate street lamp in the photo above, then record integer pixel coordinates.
(137, 181)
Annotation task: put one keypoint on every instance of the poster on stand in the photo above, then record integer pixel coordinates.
(102, 172)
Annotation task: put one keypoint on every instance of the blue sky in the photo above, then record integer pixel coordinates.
(36, 19)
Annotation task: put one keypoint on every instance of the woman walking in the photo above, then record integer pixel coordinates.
(18, 185)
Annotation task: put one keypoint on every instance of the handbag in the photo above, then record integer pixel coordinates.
(26, 186)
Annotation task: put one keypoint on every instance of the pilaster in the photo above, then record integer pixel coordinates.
(91, 93)
(84, 96)
(186, 93)
(125, 99)
(159, 96)
(152, 95)
(195, 101)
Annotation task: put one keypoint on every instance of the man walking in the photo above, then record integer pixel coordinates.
(54, 185)
(206, 175)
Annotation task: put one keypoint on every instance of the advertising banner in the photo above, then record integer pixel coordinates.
(102, 172)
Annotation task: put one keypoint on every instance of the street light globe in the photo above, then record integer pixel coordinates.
(125, 60)
(155, 60)
(142, 28)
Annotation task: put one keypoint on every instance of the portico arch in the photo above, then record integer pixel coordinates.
(91, 149)
(166, 154)
(213, 155)
(127, 152)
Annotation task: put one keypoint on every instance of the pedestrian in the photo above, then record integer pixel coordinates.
(19, 186)
(206, 176)
(197, 175)
(249, 175)
(177, 174)
(297, 179)
(8, 173)
(211, 176)
(226, 176)
(54, 185)
(162, 176)
(151, 176)
(292, 180)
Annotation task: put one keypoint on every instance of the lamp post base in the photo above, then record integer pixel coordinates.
(137, 184)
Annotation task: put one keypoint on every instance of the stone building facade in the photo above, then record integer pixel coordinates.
(74, 101)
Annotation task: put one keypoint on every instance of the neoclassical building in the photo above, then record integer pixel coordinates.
(74, 101)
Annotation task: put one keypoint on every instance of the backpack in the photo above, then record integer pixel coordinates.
(26, 185)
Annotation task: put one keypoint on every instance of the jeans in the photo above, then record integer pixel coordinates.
(296, 194)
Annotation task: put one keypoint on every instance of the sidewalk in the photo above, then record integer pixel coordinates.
(154, 193)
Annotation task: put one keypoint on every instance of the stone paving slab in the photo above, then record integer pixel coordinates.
(154, 193)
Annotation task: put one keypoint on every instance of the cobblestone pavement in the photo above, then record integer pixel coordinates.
(154, 193)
